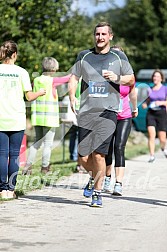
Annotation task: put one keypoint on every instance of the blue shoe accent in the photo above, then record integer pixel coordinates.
(96, 200)
(89, 188)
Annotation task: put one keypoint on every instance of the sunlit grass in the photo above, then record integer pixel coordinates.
(135, 150)
(37, 180)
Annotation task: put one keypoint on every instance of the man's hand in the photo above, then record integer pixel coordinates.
(110, 75)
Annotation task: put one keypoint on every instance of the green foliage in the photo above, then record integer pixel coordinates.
(50, 28)
(143, 25)
(140, 28)
(135, 150)
(44, 28)
(38, 180)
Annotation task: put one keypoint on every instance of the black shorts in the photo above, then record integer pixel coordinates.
(95, 132)
(157, 118)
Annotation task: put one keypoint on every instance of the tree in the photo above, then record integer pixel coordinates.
(43, 28)
(143, 25)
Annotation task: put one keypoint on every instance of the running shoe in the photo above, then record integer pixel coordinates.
(89, 188)
(165, 152)
(117, 189)
(152, 159)
(107, 184)
(96, 200)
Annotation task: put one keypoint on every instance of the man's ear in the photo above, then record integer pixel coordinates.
(111, 37)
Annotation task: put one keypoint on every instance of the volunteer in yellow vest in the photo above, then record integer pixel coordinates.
(45, 114)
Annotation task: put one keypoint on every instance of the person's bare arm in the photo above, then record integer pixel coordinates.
(146, 103)
(31, 96)
(133, 100)
(127, 80)
(57, 81)
(72, 86)
(161, 103)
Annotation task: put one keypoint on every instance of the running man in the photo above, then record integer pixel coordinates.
(102, 69)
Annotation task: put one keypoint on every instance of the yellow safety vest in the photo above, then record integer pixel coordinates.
(45, 109)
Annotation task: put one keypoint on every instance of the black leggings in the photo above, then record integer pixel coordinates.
(120, 136)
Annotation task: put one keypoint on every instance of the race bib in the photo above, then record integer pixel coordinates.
(98, 89)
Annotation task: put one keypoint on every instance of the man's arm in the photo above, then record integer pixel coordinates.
(127, 80)
(126, 76)
(72, 86)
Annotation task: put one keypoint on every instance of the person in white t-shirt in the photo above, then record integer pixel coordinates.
(14, 83)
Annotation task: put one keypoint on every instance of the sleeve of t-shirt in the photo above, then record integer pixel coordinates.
(166, 91)
(25, 79)
(76, 69)
(126, 68)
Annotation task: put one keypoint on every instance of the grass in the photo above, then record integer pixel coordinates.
(37, 180)
(135, 150)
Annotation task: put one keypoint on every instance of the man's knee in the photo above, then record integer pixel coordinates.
(84, 159)
(98, 156)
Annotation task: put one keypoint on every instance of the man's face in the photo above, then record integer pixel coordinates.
(102, 37)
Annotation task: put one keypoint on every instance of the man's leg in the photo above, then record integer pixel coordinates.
(87, 163)
(99, 169)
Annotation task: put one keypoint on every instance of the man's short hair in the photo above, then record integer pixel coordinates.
(102, 24)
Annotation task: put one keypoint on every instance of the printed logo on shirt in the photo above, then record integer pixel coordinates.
(8, 75)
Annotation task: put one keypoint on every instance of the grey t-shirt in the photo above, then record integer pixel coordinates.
(98, 94)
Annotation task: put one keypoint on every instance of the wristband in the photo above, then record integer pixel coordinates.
(135, 110)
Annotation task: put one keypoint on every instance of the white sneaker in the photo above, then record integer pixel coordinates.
(117, 189)
(152, 159)
(165, 153)
(107, 184)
